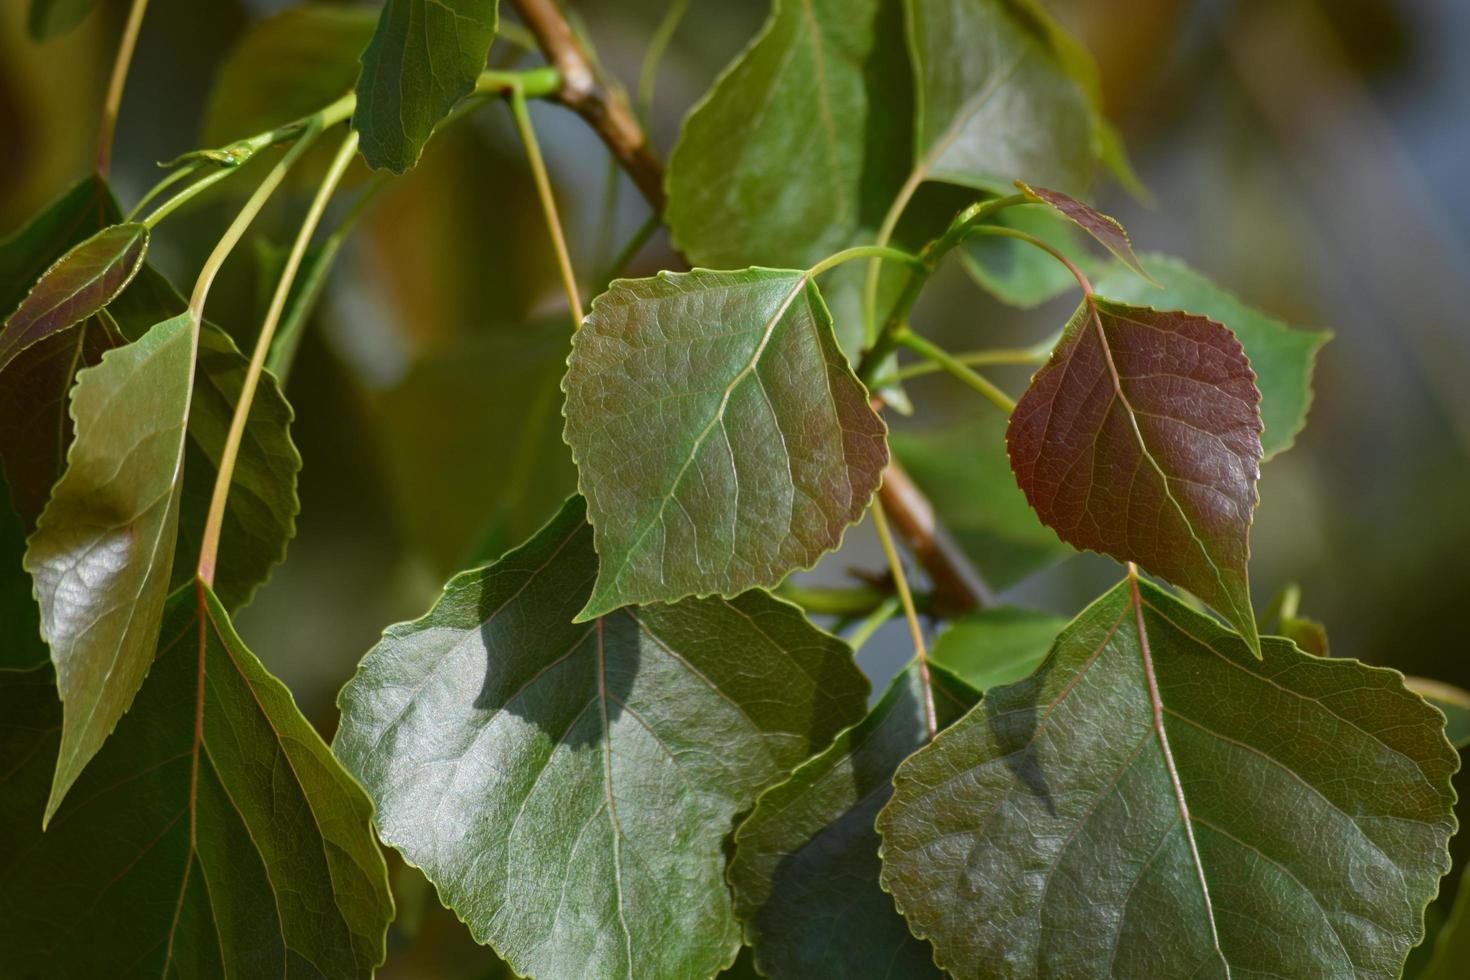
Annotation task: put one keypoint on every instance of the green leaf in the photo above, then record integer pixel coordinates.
(103, 547)
(1019, 273)
(80, 211)
(1452, 702)
(1282, 357)
(79, 285)
(568, 787)
(721, 439)
(996, 99)
(962, 469)
(52, 18)
(285, 67)
(993, 647)
(1103, 227)
(423, 58)
(1141, 439)
(1452, 946)
(1156, 802)
(805, 871)
(213, 835)
(801, 142)
(306, 290)
(21, 646)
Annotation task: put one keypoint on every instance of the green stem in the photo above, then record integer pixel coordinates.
(113, 101)
(1002, 232)
(865, 629)
(979, 358)
(657, 44)
(916, 632)
(522, 116)
(533, 83)
(172, 178)
(874, 252)
(209, 545)
(949, 363)
(827, 601)
(885, 234)
(188, 193)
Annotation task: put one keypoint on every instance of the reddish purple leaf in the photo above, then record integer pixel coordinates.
(1141, 439)
(1106, 229)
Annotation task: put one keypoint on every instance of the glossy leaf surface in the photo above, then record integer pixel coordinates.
(103, 548)
(805, 871)
(794, 182)
(720, 437)
(1156, 802)
(1141, 439)
(1103, 227)
(214, 834)
(1281, 356)
(81, 283)
(996, 646)
(423, 58)
(568, 786)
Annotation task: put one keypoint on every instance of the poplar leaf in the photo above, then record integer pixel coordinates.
(1156, 802)
(1141, 439)
(80, 284)
(423, 58)
(214, 834)
(1104, 228)
(103, 548)
(1453, 702)
(721, 439)
(805, 871)
(996, 646)
(1282, 357)
(568, 787)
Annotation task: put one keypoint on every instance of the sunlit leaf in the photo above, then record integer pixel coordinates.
(103, 547)
(424, 57)
(992, 647)
(721, 439)
(214, 834)
(1140, 439)
(1102, 227)
(1281, 357)
(1156, 802)
(805, 871)
(81, 283)
(567, 787)
(52, 18)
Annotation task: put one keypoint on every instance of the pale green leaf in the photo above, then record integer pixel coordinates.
(1018, 272)
(993, 647)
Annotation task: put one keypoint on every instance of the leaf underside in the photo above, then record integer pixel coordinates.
(1141, 439)
(721, 439)
(567, 787)
(1155, 802)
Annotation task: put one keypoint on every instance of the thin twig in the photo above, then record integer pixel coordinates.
(916, 632)
(113, 100)
(548, 202)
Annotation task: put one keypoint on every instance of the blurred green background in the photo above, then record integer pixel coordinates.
(1310, 155)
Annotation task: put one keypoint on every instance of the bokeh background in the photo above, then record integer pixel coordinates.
(1311, 155)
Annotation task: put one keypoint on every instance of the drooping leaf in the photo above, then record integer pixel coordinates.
(1156, 802)
(1141, 439)
(52, 18)
(795, 181)
(424, 57)
(1019, 273)
(962, 469)
(996, 101)
(214, 834)
(1452, 702)
(567, 787)
(1103, 227)
(805, 871)
(21, 647)
(103, 547)
(285, 67)
(1281, 356)
(721, 439)
(992, 647)
(80, 284)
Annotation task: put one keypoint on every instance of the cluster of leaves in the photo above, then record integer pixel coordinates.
(614, 751)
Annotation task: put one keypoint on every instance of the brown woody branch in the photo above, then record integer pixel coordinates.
(957, 586)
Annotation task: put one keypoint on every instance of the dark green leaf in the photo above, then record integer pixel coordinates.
(214, 834)
(992, 647)
(1018, 272)
(1105, 228)
(21, 646)
(1452, 946)
(962, 469)
(1155, 802)
(423, 58)
(800, 141)
(721, 439)
(1452, 702)
(1281, 357)
(103, 547)
(568, 787)
(79, 285)
(1141, 439)
(285, 67)
(805, 871)
(79, 212)
(53, 18)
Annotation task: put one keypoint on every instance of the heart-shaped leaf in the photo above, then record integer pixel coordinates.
(567, 787)
(1141, 439)
(721, 439)
(805, 871)
(1281, 356)
(81, 283)
(1104, 228)
(423, 58)
(1155, 802)
(214, 834)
